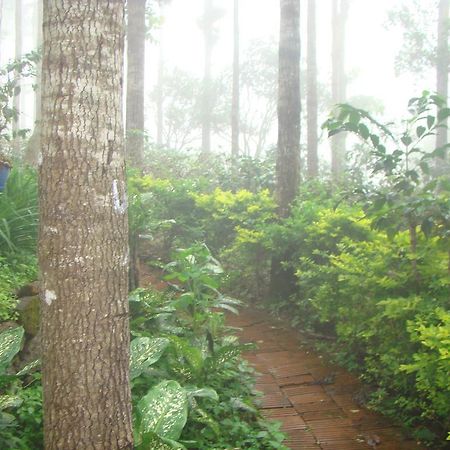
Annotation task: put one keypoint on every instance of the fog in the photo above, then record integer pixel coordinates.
(371, 48)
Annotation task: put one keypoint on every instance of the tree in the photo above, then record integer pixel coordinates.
(206, 102)
(339, 80)
(442, 63)
(208, 24)
(160, 92)
(18, 55)
(425, 44)
(312, 101)
(83, 246)
(236, 88)
(288, 151)
(33, 145)
(135, 80)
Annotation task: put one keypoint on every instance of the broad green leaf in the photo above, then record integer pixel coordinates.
(430, 121)
(375, 140)
(206, 392)
(443, 114)
(354, 117)
(151, 441)
(145, 352)
(164, 410)
(406, 140)
(9, 401)
(10, 341)
(363, 131)
(420, 131)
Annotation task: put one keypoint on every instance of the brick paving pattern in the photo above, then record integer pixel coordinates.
(316, 402)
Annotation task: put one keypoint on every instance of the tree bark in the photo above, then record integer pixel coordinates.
(288, 152)
(442, 63)
(135, 81)
(83, 245)
(312, 104)
(207, 101)
(235, 119)
(339, 81)
(282, 280)
(17, 55)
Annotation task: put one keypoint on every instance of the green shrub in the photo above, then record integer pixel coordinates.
(18, 213)
(14, 272)
(185, 363)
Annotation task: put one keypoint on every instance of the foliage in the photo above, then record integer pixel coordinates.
(20, 398)
(190, 387)
(14, 272)
(18, 214)
(418, 21)
(10, 76)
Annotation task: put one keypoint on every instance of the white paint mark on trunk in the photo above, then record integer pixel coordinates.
(119, 206)
(49, 297)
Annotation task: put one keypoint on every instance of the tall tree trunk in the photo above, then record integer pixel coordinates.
(339, 81)
(207, 101)
(312, 104)
(37, 104)
(34, 143)
(442, 65)
(83, 245)
(282, 280)
(135, 81)
(235, 119)
(160, 93)
(1, 21)
(17, 55)
(288, 152)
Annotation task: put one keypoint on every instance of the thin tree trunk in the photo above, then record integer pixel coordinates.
(160, 93)
(235, 119)
(312, 104)
(1, 29)
(288, 153)
(207, 102)
(83, 245)
(443, 60)
(17, 55)
(37, 104)
(135, 81)
(34, 143)
(339, 81)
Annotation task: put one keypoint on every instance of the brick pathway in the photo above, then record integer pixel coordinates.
(315, 401)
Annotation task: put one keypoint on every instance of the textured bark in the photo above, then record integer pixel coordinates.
(83, 245)
(442, 64)
(135, 81)
(282, 280)
(339, 81)
(207, 101)
(17, 55)
(312, 105)
(235, 119)
(288, 152)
